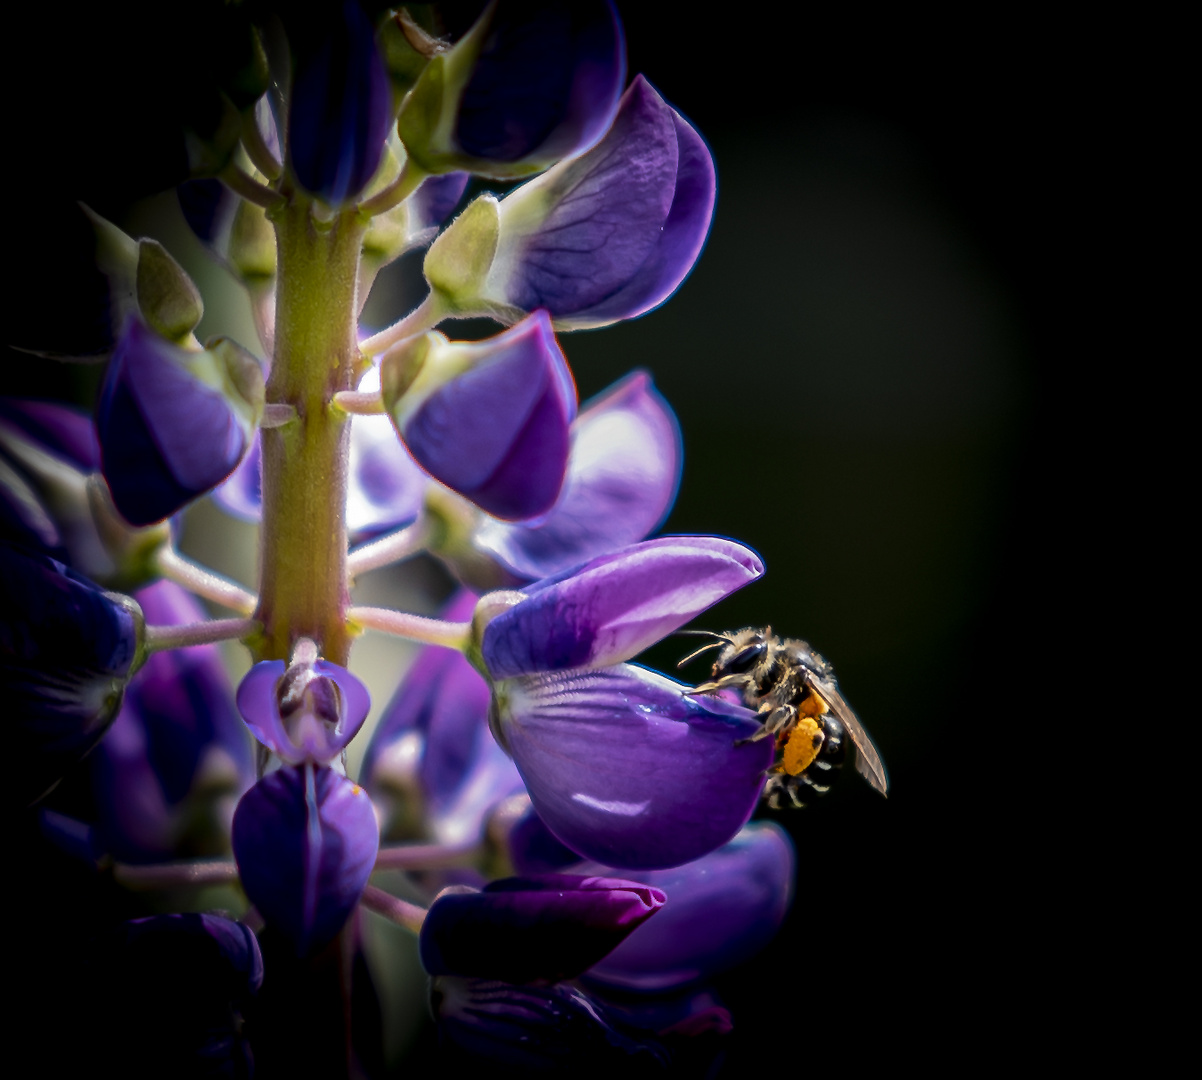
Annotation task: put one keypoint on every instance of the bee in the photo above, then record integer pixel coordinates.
(794, 691)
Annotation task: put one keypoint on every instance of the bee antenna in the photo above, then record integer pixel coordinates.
(701, 633)
(697, 652)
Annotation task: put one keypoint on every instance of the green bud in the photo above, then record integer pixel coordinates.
(131, 552)
(402, 366)
(252, 247)
(236, 373)
(169, 301)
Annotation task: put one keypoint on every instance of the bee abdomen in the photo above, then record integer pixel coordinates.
(815, 779)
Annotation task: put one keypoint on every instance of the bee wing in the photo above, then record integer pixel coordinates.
(868, 759)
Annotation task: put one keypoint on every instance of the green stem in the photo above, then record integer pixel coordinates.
(303, 590)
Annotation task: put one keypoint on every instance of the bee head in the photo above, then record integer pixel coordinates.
(742, 652)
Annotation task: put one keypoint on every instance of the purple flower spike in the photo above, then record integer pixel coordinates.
(544, 927)
(173, 423)
(609, 235)
(306, 713)
(615, 606)
(722, 909)
(177, 758)
(627, 768)
(623, 471)
(489, 420)
(341, 107)
(67, 650)
(305, 840)
(529, 84)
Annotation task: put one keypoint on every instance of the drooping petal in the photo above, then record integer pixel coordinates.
(305, 840)
(623, 471)
(66, 653)
(533, 848)
(542, 927)
(173, 423)
(721, 910)
(488, 419)
(177, 758)
(341, 106)
(529, 83)
(325, 708)
(616, 605)
(629, 769)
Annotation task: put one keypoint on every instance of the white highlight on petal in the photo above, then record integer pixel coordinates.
(623, 809)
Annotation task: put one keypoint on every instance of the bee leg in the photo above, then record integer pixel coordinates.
(778, 718)
(718, 684)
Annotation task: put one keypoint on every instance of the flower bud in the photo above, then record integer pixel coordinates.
(173, 422)
(305, 840)
(488, 419)
(529, 84)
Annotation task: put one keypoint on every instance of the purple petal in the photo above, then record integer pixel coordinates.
(545, 84)
(386, 485)
(628, 769)
(615, 606)
(165, 437)
(341, 107)
(309, 733)
(721, 910)
(56, 429)
(547, 926)
(241, 495)
(227, 947)
(677, 247)
(623, 471)
(607, 210)
(533, 848)
(66, 650)
(498, 433)
(539, 1028)
(305, 840)
(177, 753)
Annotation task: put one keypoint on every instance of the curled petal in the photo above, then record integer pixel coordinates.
(341, 107)
(318, 726)
(627, 768)
(305, 840)
(623, 471)
(177, 757)
(489, 420)
(67, 650)
(721, 910)
(173, 423)
(616, 605)
(542, 927)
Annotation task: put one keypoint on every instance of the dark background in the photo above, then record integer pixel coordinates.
(880, 367)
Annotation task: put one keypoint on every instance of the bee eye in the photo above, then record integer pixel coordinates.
(745, 659)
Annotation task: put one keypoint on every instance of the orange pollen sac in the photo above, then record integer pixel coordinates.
(813, 705)
(804, 742)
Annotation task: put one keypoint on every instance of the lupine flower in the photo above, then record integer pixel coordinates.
(340, 108)
(177, 758)
(545, 927)
(432, 759)
(512, 464)
(305, 840)
(597, 239)
(172, 422)
(722, 909)
(529, 84)
(67, 650)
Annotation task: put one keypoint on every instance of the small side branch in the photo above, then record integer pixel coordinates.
(196, 579)
(394, 194)
(410, 916)
(426, 856)
(388, 549)
(360, 402)
(245, 186)
(174, 875)
(257, 149)
(159, 638)
(412, 627)
(422, 317)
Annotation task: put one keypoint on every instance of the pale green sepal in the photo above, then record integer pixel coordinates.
(401, 368)
(458, 262)
(452, 522)
(169, 301)
(131, 553)
(236, 373)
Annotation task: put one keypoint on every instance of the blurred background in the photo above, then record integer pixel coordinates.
(869, 365)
